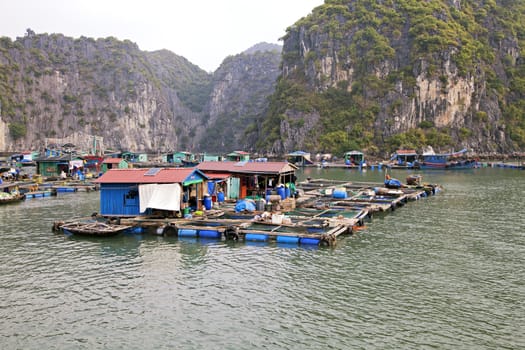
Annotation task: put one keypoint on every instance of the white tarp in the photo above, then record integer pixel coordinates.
(163, 197)
(145, 194)
(79, 163)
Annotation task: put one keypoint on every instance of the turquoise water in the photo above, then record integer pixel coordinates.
(446, 272)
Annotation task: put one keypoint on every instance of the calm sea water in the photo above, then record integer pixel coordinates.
(446, 272)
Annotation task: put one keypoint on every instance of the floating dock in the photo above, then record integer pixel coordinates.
(324, 211)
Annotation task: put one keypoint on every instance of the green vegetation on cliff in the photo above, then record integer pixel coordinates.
(365, 67)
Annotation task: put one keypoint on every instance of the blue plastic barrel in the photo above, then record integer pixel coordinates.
(209, 234)
(258, 237)
(287, 193)
(184, 232)
(288, 239)
(310, 241)
(281, 192)
(220, 197)
(341, 194)
(136, 229)
(207, 202)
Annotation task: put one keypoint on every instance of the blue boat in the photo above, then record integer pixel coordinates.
(454, 160)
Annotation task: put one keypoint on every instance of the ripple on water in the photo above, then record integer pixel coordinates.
(444, 272)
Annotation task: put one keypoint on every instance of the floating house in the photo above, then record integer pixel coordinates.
(24, 158)
(93, 164)
(404, 157)
(132, 157)
(238, 156)
(178, 158)
(210, 158)
(189, 159)
(250, 178)
(164, 191)
(114, 163)
(355, 158)
(54, 165)
(299, 158)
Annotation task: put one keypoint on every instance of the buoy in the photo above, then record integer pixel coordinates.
(309, 241)
(209, 234)
(187, 233)
(258, 237)
(288, 239)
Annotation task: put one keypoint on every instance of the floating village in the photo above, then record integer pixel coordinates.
(232, 197)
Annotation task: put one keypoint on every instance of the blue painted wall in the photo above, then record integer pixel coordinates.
(119, 199)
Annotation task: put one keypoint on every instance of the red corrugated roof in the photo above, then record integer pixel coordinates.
(247, 167)
(112, 160)
(406, 151)
(164, 175)
(217, 175)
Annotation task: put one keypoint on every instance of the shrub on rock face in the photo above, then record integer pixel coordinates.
(17, 130)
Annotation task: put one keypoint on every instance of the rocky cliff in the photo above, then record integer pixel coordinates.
(56, 89)
(379, 75)
(353, 74)
(241, 86)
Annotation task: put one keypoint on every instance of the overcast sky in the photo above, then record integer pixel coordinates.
(203, 31)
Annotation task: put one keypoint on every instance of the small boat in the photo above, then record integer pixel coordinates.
(11, 197)
(447, 161)
(9, 193)
(97, 229)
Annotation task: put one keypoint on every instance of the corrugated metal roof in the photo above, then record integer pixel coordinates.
(406, 152)
(112, 160)
(248, 167)
(215, 176)
(137, 175)
(238, 153)
(64, 157)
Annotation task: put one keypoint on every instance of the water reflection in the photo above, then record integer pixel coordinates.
(443, 272)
